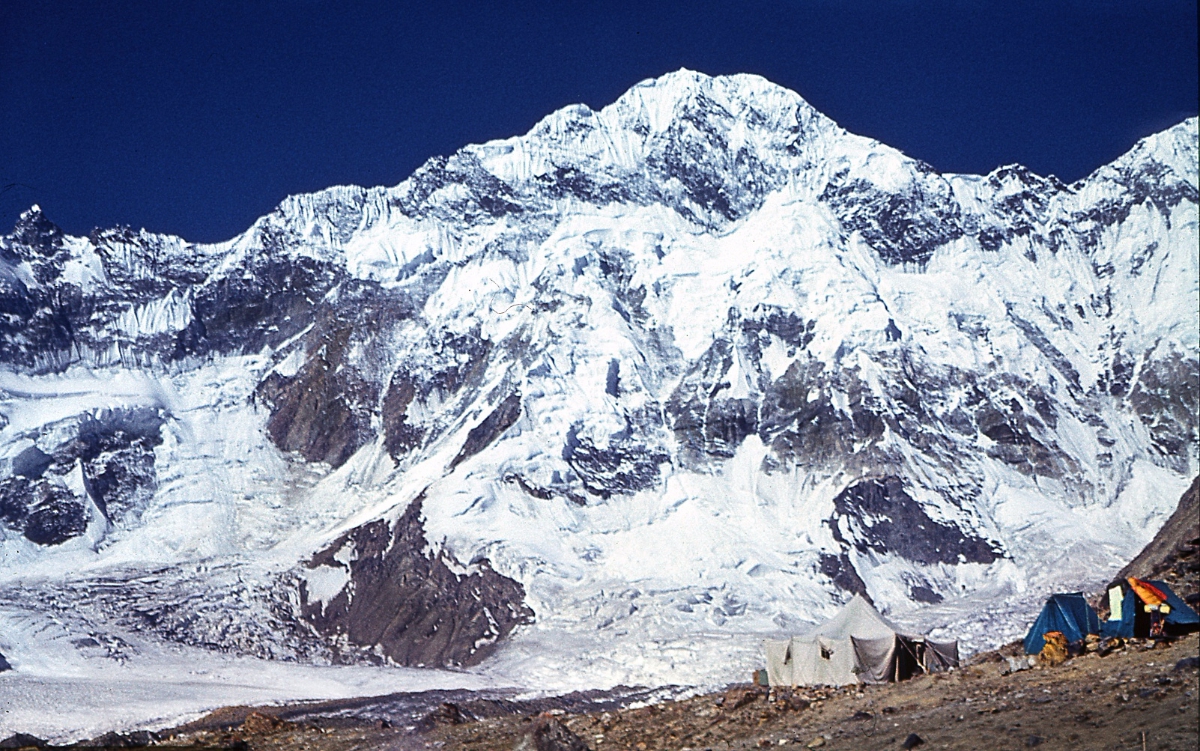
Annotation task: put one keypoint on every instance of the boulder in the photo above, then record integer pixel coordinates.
(546, 733)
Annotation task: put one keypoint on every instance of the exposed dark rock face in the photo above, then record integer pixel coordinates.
(531, 489)
(115, 451)
(399, 437)
(44, 510)
(569, 181)
(785, 324)
(54, 515)
(1022, 209)
(689, 404)
(878, 515)
(411, 608)
(623, 468)
(483, 196)
(922, 593)
(266, 303)
(31, 463)
(1139, 183)
(904, 226)
(15, 496)
(146, 266)
(1166, 397)
(323, 412)
(491, 428)
(844, 576)
(1010, 428)
(720, 184)
(447, 367)
(39, 321)
(801, 423)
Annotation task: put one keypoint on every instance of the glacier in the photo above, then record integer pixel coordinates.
(606, 403)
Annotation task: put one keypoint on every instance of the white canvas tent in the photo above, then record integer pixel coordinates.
(858, 645)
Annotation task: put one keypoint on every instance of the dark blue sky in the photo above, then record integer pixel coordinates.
(196, 118)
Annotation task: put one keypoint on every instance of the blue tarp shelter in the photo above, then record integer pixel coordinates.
(1068, 613)
(1135, 623)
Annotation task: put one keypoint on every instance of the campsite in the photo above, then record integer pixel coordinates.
(1114, 692)
(1140, 692)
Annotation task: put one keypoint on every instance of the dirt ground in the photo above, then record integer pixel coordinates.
(1130, 700)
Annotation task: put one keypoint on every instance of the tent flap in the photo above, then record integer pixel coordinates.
(941, 655)
(779, 662)
(875, 658)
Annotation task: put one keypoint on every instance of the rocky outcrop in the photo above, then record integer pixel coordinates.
(1174, 553)
(376, 591)
(903, 225)
(840, 570)
(112, 455)
(879, 515)
(490, 428)
(547, 733)
(323, 412)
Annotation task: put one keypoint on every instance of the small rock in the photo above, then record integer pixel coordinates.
(816, 742)
(446, 713)
(546, 733)
(138, 739)
(1034, 740)
(260, 723)
(861, 715)
(736, 698)
(1188, 662)
(912, 741)
(1016, 664)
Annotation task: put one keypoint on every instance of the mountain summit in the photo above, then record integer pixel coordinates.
(605, 401)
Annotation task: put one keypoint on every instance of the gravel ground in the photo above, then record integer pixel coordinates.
(1131, 699)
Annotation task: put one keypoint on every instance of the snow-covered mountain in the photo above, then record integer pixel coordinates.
(608, 400)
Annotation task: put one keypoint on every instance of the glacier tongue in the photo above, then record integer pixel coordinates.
(624, 394)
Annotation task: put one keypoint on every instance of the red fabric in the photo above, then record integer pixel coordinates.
(1149, 594)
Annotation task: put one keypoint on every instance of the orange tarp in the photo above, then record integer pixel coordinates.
(1148, 593)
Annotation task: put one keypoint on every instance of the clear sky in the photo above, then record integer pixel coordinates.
(196, 118)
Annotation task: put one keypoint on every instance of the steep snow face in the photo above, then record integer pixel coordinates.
(659, 379)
